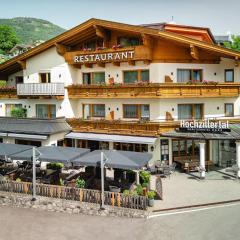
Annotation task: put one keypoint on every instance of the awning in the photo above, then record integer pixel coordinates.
(7, 149)
(111, 138)
(28, 136)
(115, 159)
(52, 154)
(234, 134)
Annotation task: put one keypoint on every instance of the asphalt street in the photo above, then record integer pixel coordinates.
(221, 223)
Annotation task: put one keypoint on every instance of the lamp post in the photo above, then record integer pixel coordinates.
(34, 158)
(103, 160)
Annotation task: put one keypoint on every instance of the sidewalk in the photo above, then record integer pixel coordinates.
(186, 190)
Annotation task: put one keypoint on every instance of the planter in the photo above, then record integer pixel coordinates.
(114, 189)
(150, 202)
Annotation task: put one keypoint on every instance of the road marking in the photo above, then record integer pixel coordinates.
(192, 210)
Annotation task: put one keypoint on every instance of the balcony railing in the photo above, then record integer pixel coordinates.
(137, 128)
(155, 90)
(8, 92)
(40, 89)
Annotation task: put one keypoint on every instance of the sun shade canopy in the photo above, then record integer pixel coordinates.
(115, 159)
(111, 138)
(7, 149)
(52, 154)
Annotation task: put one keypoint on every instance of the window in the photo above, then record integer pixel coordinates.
(45, 111)
(93, 110)
(94, 78)
(229, 75)
(187, 75)
(131, 77)
(10, 107)
(130, 147)
(136, 111)
(190, 111)
(45, 77)
(129, 41)
(19, 79)
(229, 109)
(93, 44)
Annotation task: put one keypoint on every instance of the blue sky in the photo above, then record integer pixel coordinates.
(221, 16)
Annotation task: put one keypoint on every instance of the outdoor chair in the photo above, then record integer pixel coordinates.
(152, 169)
(173, 167)
(166, 172)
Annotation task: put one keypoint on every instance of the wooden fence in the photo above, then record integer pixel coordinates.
(76, 194)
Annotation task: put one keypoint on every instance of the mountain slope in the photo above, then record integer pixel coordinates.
(30, 30)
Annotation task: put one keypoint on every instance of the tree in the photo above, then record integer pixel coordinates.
(8, 38)
(235, 44)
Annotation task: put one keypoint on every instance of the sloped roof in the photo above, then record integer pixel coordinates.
(72, 33)
(33, 125)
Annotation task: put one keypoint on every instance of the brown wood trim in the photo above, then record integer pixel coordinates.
(225, 75)
(225, 109)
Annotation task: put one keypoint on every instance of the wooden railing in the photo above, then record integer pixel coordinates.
(40, 89)
(8, 92)
(76, 194)
(122, 127)
(155, 90)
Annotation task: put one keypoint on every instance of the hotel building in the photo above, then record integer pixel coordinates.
(108, 85)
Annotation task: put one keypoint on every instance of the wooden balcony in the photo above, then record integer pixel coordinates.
(137, 53)
(155, 91)
(40, 89)
(8, 92)
(122, 127)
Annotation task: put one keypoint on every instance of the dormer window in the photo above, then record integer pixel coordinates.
(129, 41)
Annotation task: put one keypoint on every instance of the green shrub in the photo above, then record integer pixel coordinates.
(19, 113)
(18, 180)
(145, 177)
(145, 185)
(151, 195)
(55, 166)
(139, 190)
(126, 192)
(61, 182)
(80, 183)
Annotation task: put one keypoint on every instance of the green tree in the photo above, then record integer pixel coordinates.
(8, 38)
(235, 44)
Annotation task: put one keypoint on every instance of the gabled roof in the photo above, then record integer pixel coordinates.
(69, 36)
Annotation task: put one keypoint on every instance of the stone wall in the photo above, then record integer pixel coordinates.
(61, 205)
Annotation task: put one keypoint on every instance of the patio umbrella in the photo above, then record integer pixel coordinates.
(116, 159)
(53, 154)
(7, 149)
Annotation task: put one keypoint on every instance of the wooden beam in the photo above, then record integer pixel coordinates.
(22, 64)
(100, 64)
(61, 49)
(147, 40)
(88, 65)
(131, 62)
(194, 52)
(116, 64)
(236, 61)
(102, 33)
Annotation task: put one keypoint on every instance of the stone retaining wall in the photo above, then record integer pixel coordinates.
(61, 205)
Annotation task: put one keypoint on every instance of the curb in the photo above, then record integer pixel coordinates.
(196, 206)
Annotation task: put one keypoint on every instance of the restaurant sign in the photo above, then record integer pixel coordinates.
(104, 57)
(204, 126)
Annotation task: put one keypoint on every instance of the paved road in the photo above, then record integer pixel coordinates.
(25, 224)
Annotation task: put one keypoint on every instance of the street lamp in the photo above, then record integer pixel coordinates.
(103, 161)
(34, 158)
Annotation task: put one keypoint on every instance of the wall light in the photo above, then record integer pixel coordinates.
(173, 109)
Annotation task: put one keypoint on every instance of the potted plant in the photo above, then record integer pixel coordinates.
(80, 183)
(151, 195)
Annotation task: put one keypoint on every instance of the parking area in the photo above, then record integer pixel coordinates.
(183, 189)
